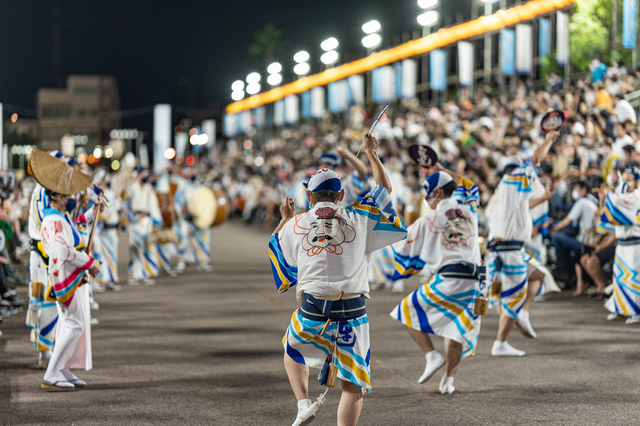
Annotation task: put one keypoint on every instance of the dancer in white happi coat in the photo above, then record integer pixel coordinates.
(106, 245)
(142, 263)
(195, 243)
(445, 243)
(510, 227)
(66, 270)
(621, 209)
(324, 253)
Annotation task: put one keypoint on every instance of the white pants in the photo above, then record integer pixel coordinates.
(69, 336)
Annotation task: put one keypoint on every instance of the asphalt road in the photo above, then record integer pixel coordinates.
(205, 348)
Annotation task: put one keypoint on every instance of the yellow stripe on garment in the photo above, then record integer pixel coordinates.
(405, 311)
(627, 276)
(285, 281)
(349, 362)
(403, 271)
(459, 312)
(620, 301)
(318, 339)
(515, 301)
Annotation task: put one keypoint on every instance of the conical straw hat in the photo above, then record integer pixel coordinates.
(56, 175)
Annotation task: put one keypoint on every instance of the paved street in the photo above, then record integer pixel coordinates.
(205, 348)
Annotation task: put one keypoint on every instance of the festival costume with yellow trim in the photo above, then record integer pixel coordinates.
(621, 210)
(324, 252)
(445, 243)
(510, 226)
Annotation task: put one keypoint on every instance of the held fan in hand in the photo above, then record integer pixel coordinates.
(552, 121)
(423, 155)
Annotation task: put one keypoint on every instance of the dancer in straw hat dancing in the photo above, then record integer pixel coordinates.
(67, 266)
(324, 252)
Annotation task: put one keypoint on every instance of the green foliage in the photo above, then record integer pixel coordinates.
(590, 34)
(268, 43)
(548, 65)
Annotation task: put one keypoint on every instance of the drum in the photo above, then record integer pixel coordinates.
(208, 207)
(163, 236)
(165, 202)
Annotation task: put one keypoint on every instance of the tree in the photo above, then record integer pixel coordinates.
(268, 43)
(590, 35)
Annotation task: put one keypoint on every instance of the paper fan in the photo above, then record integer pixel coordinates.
(56, 175)
(423, 155)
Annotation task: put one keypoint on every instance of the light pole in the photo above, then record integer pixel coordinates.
(488, 8)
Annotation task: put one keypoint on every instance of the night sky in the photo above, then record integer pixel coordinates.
(157, 49)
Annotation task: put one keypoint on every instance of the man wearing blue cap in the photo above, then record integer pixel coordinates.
(324, 253)
(511, 227)
(445, 243)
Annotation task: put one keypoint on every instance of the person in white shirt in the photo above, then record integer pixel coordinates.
(621, 209)
(324, 253)
(106, 243)
(510, 227)
(445, 244)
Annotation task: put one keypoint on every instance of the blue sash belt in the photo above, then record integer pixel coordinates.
(629, 241)
(463, 270)
(504, 245)
(337, 310)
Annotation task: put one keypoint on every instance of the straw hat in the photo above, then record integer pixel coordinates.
(56, 175)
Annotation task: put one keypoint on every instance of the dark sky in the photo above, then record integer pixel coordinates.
(151, 45)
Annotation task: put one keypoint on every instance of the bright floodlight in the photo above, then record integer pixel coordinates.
(427, 4)
(274, 79)
(301, 69)
(237, 95)
(253, 88)
(237, 85)
(253, 78)
(274, 68)
(428, 18)
(301, 57)
(329, 44)
(371, 27)
(372, 40)
(329, 58)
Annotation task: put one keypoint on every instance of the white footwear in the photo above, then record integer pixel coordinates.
(615, 317)
(306, 413)
(398, 286)
(133, 281)
(94, 305)
(56, 381)
(524, 325)
(97, 288)
(149, 281)
(205, 268)
(181, 266)
(112, 287)
(43, 358)
(71, 378)
(446, 385)
(633, 319)
(32, 335)
(540, 298)
(173, 273)
(505, 349)
(94, 321)
(435, 361)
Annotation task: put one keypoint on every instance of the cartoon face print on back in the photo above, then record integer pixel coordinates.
(458, 229)
(328, 233)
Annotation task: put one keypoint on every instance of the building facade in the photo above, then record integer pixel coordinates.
(87, 110)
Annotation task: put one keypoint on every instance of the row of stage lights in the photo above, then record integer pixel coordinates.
(370, 41)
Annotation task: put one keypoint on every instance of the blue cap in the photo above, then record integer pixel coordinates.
(435, 181)
(324, 180)
(329, 158)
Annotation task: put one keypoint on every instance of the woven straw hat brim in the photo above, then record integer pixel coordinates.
(56, 175)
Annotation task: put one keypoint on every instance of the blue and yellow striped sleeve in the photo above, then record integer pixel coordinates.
(522, 177)
(618, 212)
(360, 186)
(467, 193)
(284, 274)
(604, 228)
(384, 227)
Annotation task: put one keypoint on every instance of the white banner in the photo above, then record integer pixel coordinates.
(317, 102)
(338, 96)
(209, 129)
(356, 85)
(245, 121)
(465, 63)
(291, 109)
(182, 139)
(383, 84)
(259, 115)
(143, 156)
(409, 78)
(524, 49)
(162, 132)
(278, 113)
(229, 125)
(562, 38)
